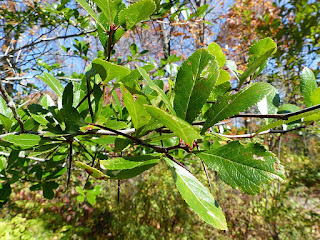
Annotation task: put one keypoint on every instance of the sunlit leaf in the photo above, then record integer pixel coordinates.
(308, 84)
(230, 105)
(109, 71)
(195, 81)
(197, 196)
(136, 13)
(180, 127)
(53, 83)
(243, 166)
(24, 140)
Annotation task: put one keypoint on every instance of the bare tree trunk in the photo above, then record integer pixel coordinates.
(201, 28)
(165, 40)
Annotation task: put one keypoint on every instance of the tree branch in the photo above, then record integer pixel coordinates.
(251, 135)
(45, 40)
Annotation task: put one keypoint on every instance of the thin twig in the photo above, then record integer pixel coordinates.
(46, 40)
(70, 162)
(251, 135)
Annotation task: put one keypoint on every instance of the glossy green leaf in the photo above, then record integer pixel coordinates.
(270, 103)
(261, 47)
(195, 81)
(95, 173)
(109, 9)
(180, 127)
(129, 173)
(46, 101)
(109, 71)
(38, 113)
(308, 84)
(216, 51)
(231, 65)
(230, 105)
(255, 65)
(136, 13)
(197, 196)
(288, 108)
(6, 122)
(135, 108)
(155, 87)
(224, 76)
(53, 83)
(315, 100)
(243, 166)
(122, 163)
(105, 140)
(87, 7)
(23, 140)
(4, 109)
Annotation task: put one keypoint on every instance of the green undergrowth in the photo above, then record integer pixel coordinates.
(150, 207)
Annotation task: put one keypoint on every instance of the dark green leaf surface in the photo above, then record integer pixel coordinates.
(195, 81)
(53, 83)
(308, 84)
(197, 196)
(180, 127)
(243, 166)
(230, 105)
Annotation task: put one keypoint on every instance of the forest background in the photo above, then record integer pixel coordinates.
(61, 39)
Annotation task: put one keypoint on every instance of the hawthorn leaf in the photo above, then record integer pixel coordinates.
(24, 140)
(257, 63)
(136, 13)
(87, 7)
(308, 84)
(135, 108)
(109, 71)
(230, 105)
(46, 101)
(315, 100)
(269, 104)
(288, 108)
(197, 196)
(155, 87)
(180, 127)
(195, 81)
(95, 173)
(122, 163)
(224, 76)
(216, 51)
(109, 9)
(243, 166)
(53, 83)
(4, 109)
(231, 65)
